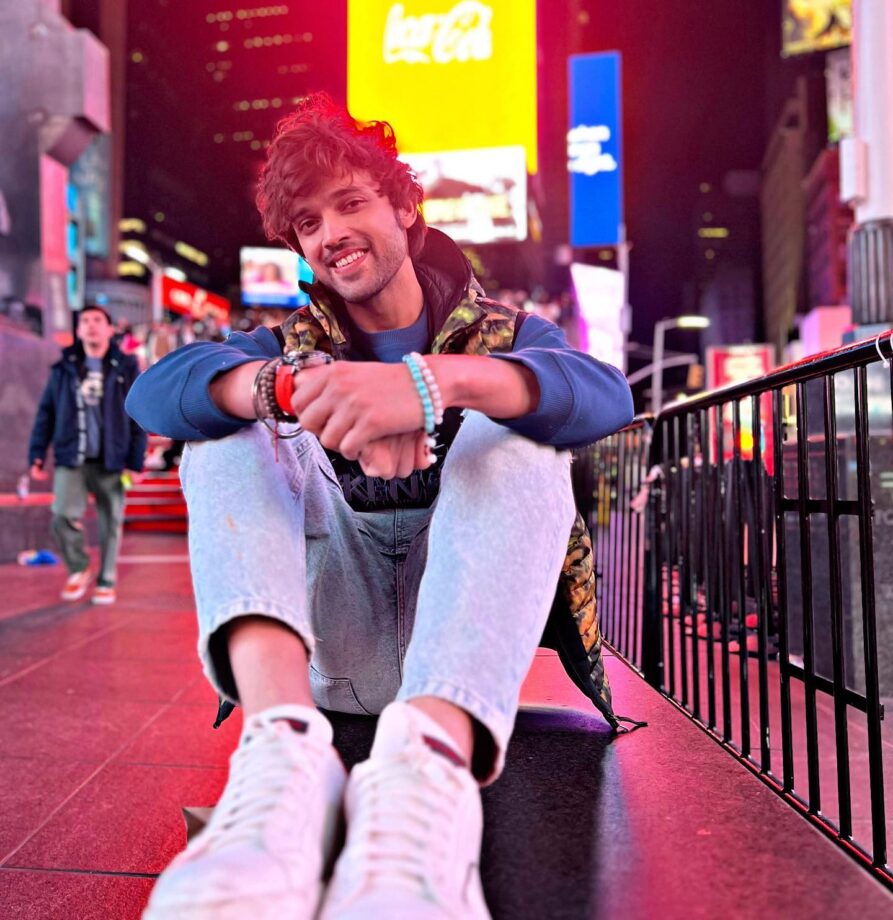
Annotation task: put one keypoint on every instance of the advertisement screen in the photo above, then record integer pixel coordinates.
(474, 196)
(270, 277)
(446, 73)
(839, 86)
(600, 297)
(594, 150)
(815, 25)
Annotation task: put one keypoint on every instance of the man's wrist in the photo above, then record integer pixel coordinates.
(231, 390)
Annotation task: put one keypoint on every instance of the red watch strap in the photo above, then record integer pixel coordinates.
(284, 388)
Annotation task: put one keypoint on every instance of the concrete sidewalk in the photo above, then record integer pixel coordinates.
(106, 733)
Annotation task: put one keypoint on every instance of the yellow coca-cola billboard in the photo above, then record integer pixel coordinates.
(447, 74)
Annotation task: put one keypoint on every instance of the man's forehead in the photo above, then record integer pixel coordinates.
(331, 188)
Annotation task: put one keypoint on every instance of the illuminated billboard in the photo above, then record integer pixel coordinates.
(594, 150)
(447, 74)
(193, 301)
(815, 25)
(270, 277)
(600, 296)
(474, 196)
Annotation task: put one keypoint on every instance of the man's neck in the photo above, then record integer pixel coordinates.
(397, 306)
(95, 351)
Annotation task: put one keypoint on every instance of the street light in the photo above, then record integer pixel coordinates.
(657, 372)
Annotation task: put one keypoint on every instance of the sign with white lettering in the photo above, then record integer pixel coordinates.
(192, 300)
(447, 74)
(474, 196)
(594, 150)
(462, 34)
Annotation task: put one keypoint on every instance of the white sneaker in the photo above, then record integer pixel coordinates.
(263, 854)
(76, 585)
(414, 824)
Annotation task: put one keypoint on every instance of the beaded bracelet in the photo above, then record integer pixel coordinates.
(427, 405)
(263, 394)
(433, 388)
(274, 385)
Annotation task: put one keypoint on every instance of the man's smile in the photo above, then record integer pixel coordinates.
(347, 260)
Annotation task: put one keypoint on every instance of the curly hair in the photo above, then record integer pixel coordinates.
(319, 140)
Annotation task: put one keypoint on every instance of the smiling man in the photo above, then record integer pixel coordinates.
(397, 553)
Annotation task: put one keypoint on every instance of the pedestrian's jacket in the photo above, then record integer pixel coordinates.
(61, 415)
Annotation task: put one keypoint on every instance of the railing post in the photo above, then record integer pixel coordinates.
(866, 176)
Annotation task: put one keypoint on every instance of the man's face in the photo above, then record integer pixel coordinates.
(352, 236)
(94, 330)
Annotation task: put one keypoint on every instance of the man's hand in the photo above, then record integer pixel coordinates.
(397, 456)
(37, 472)
(349, 405)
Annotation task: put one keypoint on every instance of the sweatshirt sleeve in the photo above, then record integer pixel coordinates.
(42, 432)
(171, 398)
(582, 399)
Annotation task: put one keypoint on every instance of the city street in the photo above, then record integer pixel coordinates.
(107, 735)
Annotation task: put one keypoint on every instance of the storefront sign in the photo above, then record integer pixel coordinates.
(191, 300)
(731, 364)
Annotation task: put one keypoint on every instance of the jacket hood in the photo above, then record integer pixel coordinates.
(444, 274)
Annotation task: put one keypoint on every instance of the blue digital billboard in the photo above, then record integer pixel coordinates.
(594, 149)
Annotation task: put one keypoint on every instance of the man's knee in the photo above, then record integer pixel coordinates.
(484, 448)
(236, 452)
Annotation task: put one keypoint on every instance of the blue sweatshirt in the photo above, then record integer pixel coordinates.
(581, 398)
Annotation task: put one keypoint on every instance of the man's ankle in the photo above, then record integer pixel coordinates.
(270, 664)
(455, 722)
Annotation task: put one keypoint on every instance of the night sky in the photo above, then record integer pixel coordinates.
(701, 84)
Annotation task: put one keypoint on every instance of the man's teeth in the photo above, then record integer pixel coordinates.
(341, 263)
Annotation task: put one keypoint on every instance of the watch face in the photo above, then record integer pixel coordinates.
(302, 359)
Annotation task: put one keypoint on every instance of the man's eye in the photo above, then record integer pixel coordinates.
(306, 226)
(352, 203)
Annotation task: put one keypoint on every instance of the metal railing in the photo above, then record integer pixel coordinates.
(752, 583)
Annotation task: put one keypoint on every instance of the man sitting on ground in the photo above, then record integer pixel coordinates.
(363, 566)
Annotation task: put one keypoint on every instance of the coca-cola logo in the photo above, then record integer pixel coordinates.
(463, 34)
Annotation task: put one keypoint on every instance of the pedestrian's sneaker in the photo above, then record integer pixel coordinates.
(104, 594)
(263, 854)
(76, 585)
(414, 825)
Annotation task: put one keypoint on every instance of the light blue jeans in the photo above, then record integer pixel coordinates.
(448, 602)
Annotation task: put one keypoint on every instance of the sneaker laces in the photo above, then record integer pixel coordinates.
(262, 768)
(397, 834)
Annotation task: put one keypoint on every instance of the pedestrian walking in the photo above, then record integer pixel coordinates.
(81, 414)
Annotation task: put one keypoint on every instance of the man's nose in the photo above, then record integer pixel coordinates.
(334, 231)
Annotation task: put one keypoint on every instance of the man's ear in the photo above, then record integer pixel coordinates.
(407, 215)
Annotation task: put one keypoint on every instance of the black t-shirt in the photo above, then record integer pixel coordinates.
(372, 493)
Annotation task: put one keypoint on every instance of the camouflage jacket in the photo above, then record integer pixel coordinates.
(475, 325)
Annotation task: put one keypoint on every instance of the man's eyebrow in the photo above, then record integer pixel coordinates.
(349, 190)
(337, 195)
